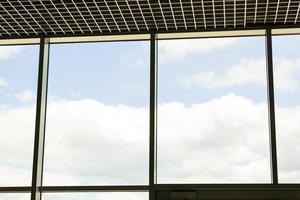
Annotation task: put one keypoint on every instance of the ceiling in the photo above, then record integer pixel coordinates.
(42, 18)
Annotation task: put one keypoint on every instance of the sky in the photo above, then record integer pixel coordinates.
(212, 117)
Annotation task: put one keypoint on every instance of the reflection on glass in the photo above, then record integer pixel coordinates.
(97, 196)
(18, 81)
(212, 123)
(287, 106)
(97, 114)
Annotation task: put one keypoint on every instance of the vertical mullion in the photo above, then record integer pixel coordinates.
(38, 154)
(153, 101)
(271, 106)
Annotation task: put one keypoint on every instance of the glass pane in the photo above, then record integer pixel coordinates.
(212, 111)
(97, 196)
(10, 196)
(18, 82)
(287, 106)
(97, 115)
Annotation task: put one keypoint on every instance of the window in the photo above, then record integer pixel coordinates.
(11, 196)
(97, 196)
(18, 82)
(212, 118)
(97, 127)
(287, 106)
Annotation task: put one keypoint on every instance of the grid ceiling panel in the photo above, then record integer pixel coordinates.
(35, 18)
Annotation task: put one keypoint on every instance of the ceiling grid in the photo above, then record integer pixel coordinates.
(42, 18)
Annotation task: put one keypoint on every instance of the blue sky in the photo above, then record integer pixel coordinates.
(20, 71)
(114, 73)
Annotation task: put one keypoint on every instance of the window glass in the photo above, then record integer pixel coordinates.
(287, 106)
(212, 119)
(97, 196)
(18, 83)
(97, 126)
(11, 196)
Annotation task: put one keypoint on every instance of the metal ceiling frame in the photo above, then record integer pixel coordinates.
(36, 18)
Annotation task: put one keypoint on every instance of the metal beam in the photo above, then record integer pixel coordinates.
(271, 106)
(224, 13)
(296, 18)
(151, 11)
(15, 189)
(171, 7)
(203, 12)
(228, 187)
(137, 27)
(112, 188)
(40, 122)
(266, 11)
(162, 14)
(257, 26)
(153, 103)
(142, 13)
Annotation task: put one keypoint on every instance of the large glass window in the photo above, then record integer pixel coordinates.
(212, 116)
(287, 106)
(18, 82)
(97, 127)
(212, 120)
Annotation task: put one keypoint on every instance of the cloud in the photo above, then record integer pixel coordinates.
(3, 82)
(249, 71)
(16, 149)
(218, 141)
(26, 96)
(286, 74)
(135, 61)
(9, 51)
(11, 196)
(179, 49)
(88, 142)
(120, 133)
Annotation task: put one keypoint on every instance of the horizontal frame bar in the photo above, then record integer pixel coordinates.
(228, 195)
(158, 187)
(15, 189)
(134, 188)
(228, 187)
(250, 27)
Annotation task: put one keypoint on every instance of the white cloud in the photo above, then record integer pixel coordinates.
(87, 142)
(286, 74)
(3, 82)
(249, 71)
(16, 150)
(214, 142)
(11, 196)
(9, 51)
(135, 61)
(178, 49)
(111, 136)
(26, 96)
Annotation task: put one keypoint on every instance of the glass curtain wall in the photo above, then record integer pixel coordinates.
(212, 122)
